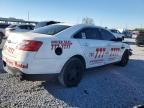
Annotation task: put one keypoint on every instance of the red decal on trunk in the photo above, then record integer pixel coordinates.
(62, 44)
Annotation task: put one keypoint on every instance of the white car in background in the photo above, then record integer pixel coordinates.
(135, 34)
(117, 33)
(18, 28)
(45, 23)
(2, 29)
(62, 50)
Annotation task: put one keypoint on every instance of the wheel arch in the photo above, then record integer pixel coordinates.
(79, 57)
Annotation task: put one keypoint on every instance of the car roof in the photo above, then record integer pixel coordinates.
(72, 30)
(79, 25)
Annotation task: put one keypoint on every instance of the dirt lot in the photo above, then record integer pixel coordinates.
(108, 86)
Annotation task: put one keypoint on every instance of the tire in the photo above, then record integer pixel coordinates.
(72, 73)
(124, 59)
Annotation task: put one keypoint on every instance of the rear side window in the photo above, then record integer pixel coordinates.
(89, 33)
(51, 30)
(106, 35)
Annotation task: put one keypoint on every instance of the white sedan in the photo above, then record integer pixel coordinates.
(117, 33)
(18, 28)
(62, 50)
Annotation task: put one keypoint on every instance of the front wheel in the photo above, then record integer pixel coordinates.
(124, 59)
(72, 73)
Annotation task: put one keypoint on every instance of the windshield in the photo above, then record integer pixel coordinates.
(51, 30)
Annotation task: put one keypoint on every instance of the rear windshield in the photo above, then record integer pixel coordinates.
(51, 30)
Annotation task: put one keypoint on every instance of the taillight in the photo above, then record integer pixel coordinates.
(29, 45)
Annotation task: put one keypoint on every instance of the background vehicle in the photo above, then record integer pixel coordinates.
(2, 29)
(117, 33)
(18, 28)
(140, 39)
(45, 23)
(127, 34)
(135, 34)
(62, 50)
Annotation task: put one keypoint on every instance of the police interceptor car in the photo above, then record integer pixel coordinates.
(62, 50)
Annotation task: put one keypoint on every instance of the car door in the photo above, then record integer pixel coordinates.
(93, 46)
(114, 47)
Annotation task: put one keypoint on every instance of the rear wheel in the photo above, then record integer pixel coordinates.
(124, 59)
(72, 73)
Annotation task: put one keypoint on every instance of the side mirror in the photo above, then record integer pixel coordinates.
(117, 39)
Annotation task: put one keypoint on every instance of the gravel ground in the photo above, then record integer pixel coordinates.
(104, 87)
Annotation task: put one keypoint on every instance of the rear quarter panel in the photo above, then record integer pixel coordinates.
(69, 48)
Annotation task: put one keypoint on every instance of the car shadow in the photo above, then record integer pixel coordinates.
(100, 87)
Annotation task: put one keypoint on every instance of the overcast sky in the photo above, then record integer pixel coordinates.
(111, 13)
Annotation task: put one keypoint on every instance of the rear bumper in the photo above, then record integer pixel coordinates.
(29, 77)
(35, 66)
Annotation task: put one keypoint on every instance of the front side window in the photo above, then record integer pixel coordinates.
(51, 30)
(106, 35)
